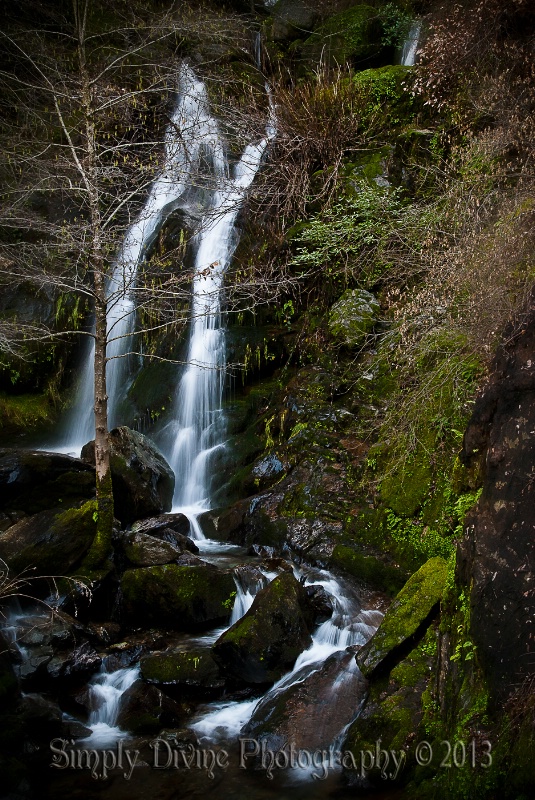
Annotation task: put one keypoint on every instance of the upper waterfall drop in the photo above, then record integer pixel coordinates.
(198, 430)
(410, 45)
(192, 129)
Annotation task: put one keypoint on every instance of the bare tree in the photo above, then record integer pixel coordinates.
(84, 138)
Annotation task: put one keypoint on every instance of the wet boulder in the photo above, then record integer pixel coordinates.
(304, 714)
(179, 597)
(143, 550)
(165, 526)
(51, 542)
(225, 524)
(353, 316)
(78, 664)
(192, 670)
(143, 482)
(146, 709)
(265, 643)
(407, 618)
(37, 481)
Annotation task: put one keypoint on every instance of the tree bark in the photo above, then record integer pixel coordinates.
(101, 548)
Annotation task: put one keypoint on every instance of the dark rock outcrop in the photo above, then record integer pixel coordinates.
(37, 481)
(143, 482)
(496, 559)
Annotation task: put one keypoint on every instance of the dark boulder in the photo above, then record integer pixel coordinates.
(265, 643)
(146, 709)
(184, 598)
(143, 550)
(191, 670)
(51, 542)
(37, 481)
(143, 482)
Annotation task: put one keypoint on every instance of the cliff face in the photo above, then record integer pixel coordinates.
(496, 557)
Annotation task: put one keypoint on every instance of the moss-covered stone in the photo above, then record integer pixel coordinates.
(265, 643)
(189, 669)
(353, 316)
(367, 568)
(183, 598)
(407, 616)
(52, 542)
(393, 716)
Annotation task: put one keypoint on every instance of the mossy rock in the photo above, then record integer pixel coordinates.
(353, 316)
(384, 97)
(265, 643)
(33, 481)
(408, 616)
(406, 488)
(189, 669)
(53, 542)
(183, 598)
(393, 716)
(142, 480)
(367, 568)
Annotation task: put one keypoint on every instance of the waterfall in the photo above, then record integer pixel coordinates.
(191, 132)
(410, 45)
(106, 690)
(196, 433)
(347, 626)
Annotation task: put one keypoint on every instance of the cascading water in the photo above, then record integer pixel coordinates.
(106, 690)
(197, 432)
(410, 45)
(348, 626)
(191, 132)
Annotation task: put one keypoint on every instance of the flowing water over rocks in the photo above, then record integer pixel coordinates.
(329, 621)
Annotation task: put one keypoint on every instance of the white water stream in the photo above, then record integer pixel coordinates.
(192, 140)
(347, 626)
(410, 46)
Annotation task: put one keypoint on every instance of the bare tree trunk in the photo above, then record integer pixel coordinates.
(102, 544)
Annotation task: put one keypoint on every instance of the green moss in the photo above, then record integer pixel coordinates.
(25, 413)
(367, 568)
(102, 548)
(351, 35)
(181, 597)
(409, 611)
